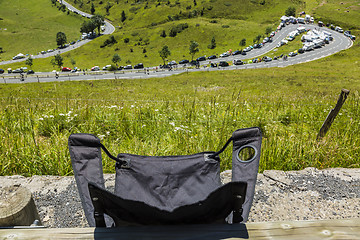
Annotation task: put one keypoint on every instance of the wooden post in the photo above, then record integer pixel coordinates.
(17, 208)
(332, 114)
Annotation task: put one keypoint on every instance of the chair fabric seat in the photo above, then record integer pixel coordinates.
(213, 209)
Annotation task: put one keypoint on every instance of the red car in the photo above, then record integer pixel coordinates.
(66, 69)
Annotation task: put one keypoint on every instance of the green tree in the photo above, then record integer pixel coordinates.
(92, 10)
(87, 26)
(212, 44)
(57, 60)
(107, 8)
(163, 34)
(268, 30)
(98, 20)
(116, 59)
(290, 11)
(257, 38)
(123, 16)
(193, 49)
(29, 62)
(61, 39)
(164, 53)
(242, 43)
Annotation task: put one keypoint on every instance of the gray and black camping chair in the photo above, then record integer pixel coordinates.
(160, 190)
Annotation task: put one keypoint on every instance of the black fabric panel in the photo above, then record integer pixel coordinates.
(167, 182)
(86, 161)
(212, 209)
(246, 171)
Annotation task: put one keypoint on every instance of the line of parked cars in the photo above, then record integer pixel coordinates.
(18, 70)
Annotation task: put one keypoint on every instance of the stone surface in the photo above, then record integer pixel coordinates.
(295, 195)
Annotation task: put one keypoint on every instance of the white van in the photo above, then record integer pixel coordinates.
(308, 46)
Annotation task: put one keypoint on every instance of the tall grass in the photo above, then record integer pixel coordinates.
(178, 115)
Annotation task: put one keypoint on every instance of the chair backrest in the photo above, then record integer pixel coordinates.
(165, 182)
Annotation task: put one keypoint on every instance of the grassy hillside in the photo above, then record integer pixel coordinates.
(186, 114)
(190, 112)
(30, 26)
(228, 21)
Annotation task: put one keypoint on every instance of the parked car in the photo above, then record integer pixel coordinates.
(339, 29)
(223, 64)
(2, 71)
(301, 50)
(95, 68)
(19, 70)
(66, 69)
(237, 52)
(106, 67)
(30, 72)
(19, 56)
(194, 62)
(127, 67)
(266, 40)
(238, 62)
(172, 63)
(225, 54)
(267, 59)
(139, 66)
(203, 58)
(292, 54)
(248, 49)
(212, 57)
(184, 61)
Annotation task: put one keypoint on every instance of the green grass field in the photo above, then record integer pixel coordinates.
(31, 26)
(192, 112)
(186, 114)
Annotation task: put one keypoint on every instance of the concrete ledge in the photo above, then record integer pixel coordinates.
(310, 194)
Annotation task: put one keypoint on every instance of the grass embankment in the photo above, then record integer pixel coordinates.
(227, 21)
(187, 114)
(31, 26)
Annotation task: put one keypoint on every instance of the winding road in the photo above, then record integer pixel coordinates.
(340, 42)
(109, 29)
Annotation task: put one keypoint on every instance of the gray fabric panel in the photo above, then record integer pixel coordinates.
(86, 161)
(246, 171)
(167, 182)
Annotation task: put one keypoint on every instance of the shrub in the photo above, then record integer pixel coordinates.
(126, 40)
(225, 26)
(112, 68)
(108, 42)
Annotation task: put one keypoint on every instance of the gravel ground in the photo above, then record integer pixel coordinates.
(296, 195)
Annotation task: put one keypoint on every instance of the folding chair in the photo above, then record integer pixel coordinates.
(163, 190)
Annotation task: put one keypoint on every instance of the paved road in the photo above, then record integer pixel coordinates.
(109, 29)
(339, 43)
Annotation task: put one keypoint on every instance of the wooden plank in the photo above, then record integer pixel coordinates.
(326, 229)
(332, 114)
